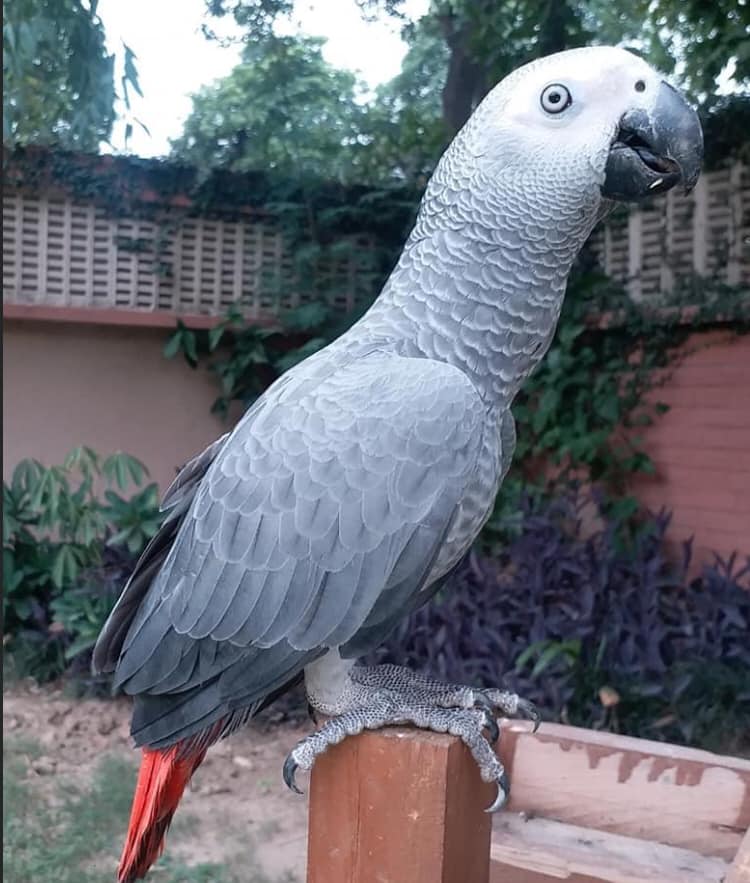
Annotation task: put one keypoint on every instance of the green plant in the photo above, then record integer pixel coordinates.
(59, 75)
(134, 519)
(597, 634)
(580, 415)
(247, 357)
(57, 533)
(81, 612)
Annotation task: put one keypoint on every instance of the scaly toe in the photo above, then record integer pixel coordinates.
(481, 700)
(491, 726)
(290, 768)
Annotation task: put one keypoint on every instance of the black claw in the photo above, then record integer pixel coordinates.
(311, 714)
(491, 725)
(503, 792)
(528, 710)
(290, 768)
(483, 702)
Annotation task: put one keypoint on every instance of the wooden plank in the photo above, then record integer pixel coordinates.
(740, 870)
(540, 851)
(398, 806)
(650, 790)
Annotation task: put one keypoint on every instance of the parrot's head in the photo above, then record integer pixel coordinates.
(601, 112)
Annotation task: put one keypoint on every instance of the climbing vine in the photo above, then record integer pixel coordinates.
(323, 223)
(581, 415)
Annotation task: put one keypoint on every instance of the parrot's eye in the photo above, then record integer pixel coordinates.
(640, 86)
(555, 98)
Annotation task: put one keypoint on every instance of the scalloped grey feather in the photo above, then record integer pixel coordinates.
(349, 491)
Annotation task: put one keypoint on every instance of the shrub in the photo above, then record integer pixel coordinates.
(598, 630)
(66, 552)
(247, 358)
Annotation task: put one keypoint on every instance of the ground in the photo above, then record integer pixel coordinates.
(69, 777)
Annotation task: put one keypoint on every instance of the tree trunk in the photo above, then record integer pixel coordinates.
(465, 77)
(557, 23)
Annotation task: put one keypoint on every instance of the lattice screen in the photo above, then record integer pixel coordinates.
(60, 253)
(706, 233)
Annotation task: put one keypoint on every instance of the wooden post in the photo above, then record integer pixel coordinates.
(398, 806)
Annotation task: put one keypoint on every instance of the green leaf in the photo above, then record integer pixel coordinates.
(120, 472)
(293, 357)
(173, 345)
(64, 567)
(130, 76)
(12, 574)
(79, 645)
(120, 537)
(306, 317)
(124, 467)
(546, 658)
(190, 346)
(525, 656)
(624, 508)
(215, 335)
(37, 496)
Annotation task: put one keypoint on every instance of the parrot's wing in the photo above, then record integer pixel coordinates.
(175, 504)
(326, 499)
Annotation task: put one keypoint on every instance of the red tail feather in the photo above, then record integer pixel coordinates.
(161, 781)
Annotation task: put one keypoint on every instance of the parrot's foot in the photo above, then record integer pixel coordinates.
(389, 695)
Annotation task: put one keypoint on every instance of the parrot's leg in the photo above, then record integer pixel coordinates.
(387, 695)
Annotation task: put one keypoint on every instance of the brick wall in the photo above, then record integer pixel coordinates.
(701, 446)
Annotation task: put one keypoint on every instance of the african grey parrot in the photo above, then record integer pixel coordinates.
(350, 490)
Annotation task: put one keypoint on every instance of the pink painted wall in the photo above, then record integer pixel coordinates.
(701, 446)
(110, 388)
(106, 387)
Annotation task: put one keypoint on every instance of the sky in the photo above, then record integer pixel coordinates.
(174, 59)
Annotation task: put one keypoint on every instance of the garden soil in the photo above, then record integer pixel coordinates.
(236, 800)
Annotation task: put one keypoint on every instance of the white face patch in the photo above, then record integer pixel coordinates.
(597, 85)
(560, 110)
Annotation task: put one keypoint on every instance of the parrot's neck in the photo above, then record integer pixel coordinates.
(485, 298)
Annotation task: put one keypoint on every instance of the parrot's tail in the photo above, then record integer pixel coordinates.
(161, 780)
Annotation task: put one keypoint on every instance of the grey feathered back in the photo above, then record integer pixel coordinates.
(321, 515)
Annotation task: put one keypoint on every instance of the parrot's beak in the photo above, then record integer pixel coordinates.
(655, 148)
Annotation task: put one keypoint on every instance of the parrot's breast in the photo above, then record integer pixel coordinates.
(479, 499)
